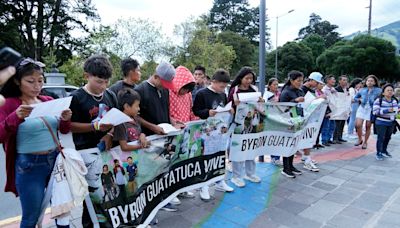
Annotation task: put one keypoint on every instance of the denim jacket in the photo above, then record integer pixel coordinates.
(368, 97)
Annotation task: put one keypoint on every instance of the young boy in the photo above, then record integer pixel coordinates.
(129, 103)
(205, 103)
(132, 171)
(88, 103)
(131, 71)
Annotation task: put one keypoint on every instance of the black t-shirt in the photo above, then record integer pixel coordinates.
(119, 85)
(84, 109)
(129, 131)
(289, 94)
(154, 105)
(207, 99)
(107, 179)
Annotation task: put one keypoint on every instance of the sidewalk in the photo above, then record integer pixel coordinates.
(352, 189)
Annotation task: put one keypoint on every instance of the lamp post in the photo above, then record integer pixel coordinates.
(276, 42)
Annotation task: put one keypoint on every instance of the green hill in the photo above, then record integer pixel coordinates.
(390, 32)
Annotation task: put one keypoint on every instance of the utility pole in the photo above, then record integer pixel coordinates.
(261, 57)
(369, 17)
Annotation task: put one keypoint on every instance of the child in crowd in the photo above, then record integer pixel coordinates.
(244, 83)
(87, 105)
(132, 171)
(129, 103)
(385, 109)
(204, 105)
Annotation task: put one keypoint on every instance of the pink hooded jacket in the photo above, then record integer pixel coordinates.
(180, 106)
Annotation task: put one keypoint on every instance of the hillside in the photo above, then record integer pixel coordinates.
(390, 32)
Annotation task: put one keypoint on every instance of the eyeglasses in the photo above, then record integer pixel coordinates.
(29, 60)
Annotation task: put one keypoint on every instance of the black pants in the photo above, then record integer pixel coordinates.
(338, 134)
(288, 163)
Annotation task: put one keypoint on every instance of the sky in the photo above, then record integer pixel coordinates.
(350, 15)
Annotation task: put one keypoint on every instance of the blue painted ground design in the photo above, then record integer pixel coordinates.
(240, 208)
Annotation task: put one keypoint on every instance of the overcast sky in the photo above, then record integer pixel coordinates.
(349, 15)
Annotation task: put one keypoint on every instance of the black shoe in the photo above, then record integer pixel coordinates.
(386, 154)
(319, 146)
(288, 174)
(296, 171)
(326, 144)
(336, 142)
(331, 142)
(342, 140)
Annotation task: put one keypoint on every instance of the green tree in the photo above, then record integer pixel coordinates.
(236, 16)
(203, 49)
(244, 49)
(323, 28)
(38, 27)
(361, 56)
(317, 45)
(291, 56)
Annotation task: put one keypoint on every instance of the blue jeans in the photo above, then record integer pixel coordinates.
(328, 127)
(384, 134)
(32, 173)
(352, 119)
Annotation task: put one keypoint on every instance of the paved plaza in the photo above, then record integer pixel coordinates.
(352, 189)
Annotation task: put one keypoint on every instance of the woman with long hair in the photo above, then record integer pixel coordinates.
(366, 97)
(28, 143)
(291, 92)
(385, 109)
(244, 82)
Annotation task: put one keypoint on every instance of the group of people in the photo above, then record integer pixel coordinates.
(170, 95)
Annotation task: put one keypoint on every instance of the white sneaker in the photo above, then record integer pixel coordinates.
(204, 193)
(229, 167)
(253, 178)
(188, 194)
(223, 187)
(175, 201)
(311, 166)
(239, 182)
(313, 161)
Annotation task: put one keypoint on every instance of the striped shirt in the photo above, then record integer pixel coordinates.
(381, 110)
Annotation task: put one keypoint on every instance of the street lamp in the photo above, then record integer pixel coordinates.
(276, 42)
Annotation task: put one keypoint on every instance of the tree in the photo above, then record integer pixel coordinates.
(317, 45)
(360, 57)
(135, 37)
(244, 49)
(38, 27)
(203, 49)
(236, 16)
(291, 56)
(323, 28)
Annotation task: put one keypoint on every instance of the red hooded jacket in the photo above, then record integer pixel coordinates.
(180, 106)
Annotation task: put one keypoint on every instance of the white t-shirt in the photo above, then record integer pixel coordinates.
(120, 179)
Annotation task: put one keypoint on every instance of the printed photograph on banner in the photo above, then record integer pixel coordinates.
(127, 188)
(252, 118)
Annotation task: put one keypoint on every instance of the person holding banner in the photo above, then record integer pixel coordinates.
(341, 120)
(328, 125)
(87, 106)
(291, 92)
(30, 149)
(204, 105)
(366, 97)
(385, 109)
(273, 84)
(244, 82)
